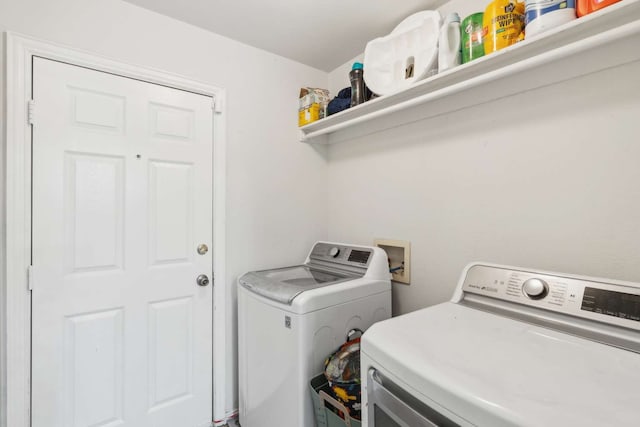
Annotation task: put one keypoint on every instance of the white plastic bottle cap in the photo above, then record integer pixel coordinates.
(452, 17)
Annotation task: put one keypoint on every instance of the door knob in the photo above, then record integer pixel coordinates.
(202, 280)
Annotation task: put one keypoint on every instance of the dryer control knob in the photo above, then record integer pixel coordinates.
(535, 288)
(334, 252)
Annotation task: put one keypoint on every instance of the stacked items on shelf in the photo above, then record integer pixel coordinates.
(422, 45)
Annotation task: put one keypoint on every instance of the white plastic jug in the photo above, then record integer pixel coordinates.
(449, 54)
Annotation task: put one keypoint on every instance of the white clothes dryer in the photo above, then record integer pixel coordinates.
(514, 347)
(290, 319)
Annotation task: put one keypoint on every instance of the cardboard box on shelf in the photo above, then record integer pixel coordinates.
(312, 105)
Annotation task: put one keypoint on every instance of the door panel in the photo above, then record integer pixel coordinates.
(122, 197)
(171, 210)
(98, 111)
(96, 378)
(171, 122)
(170, 351)
(94, 211)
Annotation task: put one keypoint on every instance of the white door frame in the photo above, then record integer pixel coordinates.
(15, 298)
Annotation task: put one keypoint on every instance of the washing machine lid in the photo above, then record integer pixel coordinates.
(497, 371)
(284, 284)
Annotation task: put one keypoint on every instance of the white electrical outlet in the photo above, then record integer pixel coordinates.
(399, 254)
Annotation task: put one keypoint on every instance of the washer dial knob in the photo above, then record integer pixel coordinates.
(535, 288)
(334, 252)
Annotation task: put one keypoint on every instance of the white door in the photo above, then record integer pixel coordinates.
(122, 198)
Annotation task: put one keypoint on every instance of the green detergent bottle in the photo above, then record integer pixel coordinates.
(473, 34)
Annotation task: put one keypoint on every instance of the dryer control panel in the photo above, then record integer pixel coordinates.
(611, 302)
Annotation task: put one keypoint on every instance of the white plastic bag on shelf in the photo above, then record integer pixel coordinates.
(407, 55)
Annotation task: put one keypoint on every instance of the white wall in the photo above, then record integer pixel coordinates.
(547, 179)
(276, 185)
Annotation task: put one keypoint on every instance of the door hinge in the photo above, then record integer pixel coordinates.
(30, 278)
(216, 104)
(30, 111)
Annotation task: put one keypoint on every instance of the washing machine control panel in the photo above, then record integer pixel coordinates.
(611, 302)
(335, 255)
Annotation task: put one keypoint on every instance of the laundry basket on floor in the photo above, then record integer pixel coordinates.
(328, 411)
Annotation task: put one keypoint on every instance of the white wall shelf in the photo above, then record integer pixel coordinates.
(605, 39)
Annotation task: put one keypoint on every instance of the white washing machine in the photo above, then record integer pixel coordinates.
(290, 319)
(514, 347)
